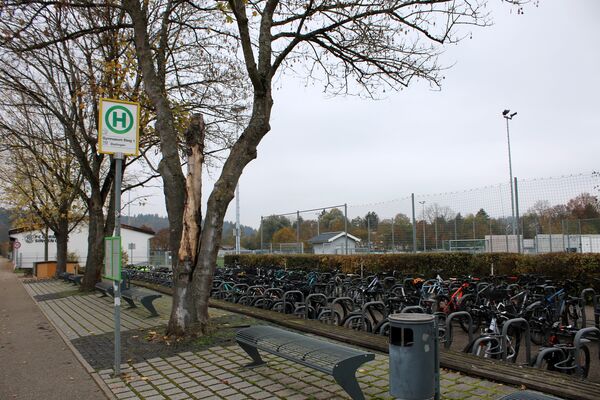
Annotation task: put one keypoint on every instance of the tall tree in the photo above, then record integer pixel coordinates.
(66, 79)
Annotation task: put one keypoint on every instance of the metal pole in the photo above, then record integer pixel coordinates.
(118, 157)
(368, 233)
(580, 244)
(318, 221)
(436, 233)
(455, 228)
(519, 233)
(237, 220)
(298, 231)
(512, 199)
(568, 236)
(392, 234)
(261, 232)
(346, 225)
(422, 203)
(491, 238)
(414, 224)
(473, 228)
(550, 232)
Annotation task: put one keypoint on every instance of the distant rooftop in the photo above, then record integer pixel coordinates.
(329, 237)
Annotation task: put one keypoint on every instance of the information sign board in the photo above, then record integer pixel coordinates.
(118, 127)
(112, 258)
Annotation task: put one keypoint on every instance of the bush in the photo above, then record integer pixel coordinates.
(553, 265)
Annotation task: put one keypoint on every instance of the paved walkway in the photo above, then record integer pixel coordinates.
(207, 368)
(35, 362)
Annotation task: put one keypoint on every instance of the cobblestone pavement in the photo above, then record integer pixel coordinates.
(216, 370)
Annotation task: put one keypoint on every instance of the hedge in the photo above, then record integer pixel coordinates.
(553, 265)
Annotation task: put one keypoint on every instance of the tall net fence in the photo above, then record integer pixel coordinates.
(534, 216)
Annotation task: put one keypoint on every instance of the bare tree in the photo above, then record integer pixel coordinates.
(65, 79)
(39, 178)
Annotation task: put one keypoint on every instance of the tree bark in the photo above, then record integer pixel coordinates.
(62, 240)
(183, 314)
(223, 192)
(95, 252)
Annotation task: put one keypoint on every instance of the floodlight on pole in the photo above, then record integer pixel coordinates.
(508, 116)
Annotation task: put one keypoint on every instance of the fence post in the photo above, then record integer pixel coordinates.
(346, 225)
(414, 224)
(550, 232)
(297, 230)
(518, 228)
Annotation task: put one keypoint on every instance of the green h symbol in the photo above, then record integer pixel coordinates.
(122, 119)
(119, 115)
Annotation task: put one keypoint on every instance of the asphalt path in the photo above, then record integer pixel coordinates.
(35, 363)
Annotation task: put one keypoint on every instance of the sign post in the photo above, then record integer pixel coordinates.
(118, 134)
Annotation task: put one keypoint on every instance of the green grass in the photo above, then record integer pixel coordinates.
(220, 262)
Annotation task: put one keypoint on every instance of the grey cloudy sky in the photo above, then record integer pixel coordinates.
(325, 151)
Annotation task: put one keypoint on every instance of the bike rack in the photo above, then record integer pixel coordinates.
(523, 322)
(320, 298)
(413, 309)
(449, 338)
(583, 304)
(288, 294)
(579, 337)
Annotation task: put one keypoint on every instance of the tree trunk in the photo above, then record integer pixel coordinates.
(223, 192)
(182, 311)
(95, 252)
(62, 239)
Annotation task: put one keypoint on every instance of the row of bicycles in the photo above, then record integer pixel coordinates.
(504, 317)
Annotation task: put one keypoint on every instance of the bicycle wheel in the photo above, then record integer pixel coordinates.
(584, 361)
(467, 303)
(550, 360)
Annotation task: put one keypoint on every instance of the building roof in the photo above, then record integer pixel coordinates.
(123, 226)
(329, 237)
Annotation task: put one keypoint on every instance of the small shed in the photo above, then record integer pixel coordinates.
(333, 243)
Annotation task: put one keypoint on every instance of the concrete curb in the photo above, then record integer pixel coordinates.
(95, 376)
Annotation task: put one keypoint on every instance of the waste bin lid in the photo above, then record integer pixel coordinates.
(410, 318)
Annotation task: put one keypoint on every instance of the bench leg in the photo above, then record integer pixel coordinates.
(252, 352)
(130, 303)
(347, 380)
(149, 306)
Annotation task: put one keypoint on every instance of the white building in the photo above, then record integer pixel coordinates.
(28, 246)
(333, 243)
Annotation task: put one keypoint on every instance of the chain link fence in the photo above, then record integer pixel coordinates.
(559, 214)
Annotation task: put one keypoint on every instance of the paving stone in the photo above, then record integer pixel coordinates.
(179, 396)
(188, 384)
(236, 396)
(126, 395)
(157, 397)
(217, 387)
(262, 395)
(148, 393)
(172, 391)
(227, 393)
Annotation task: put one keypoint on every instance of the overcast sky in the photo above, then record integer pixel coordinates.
(325, 151)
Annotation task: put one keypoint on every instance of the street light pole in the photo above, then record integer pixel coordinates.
(422, 203)
(508, 115)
